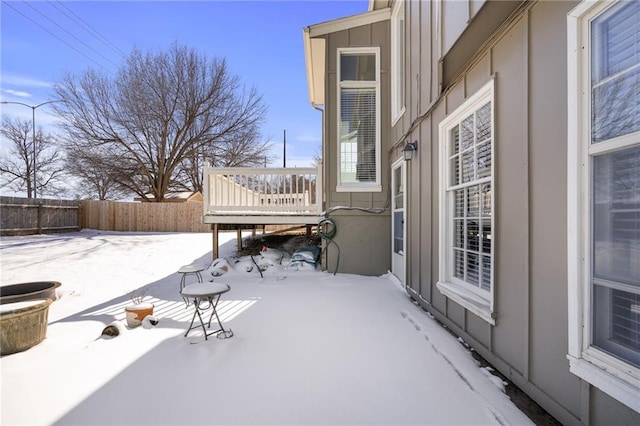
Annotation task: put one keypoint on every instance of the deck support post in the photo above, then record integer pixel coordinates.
(214, 232)
(239, 231)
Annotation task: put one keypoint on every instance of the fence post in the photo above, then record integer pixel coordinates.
(80, 215)
(39, 219)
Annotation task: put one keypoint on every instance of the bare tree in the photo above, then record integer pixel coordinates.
(242, 148)
(159, 112)
(17, 165)
(92, 177)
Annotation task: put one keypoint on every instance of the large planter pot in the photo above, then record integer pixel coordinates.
(135, 313)
(23, 325)
(38, 290)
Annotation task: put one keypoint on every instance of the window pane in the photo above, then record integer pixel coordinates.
(454, 148)
(615, 75)
(473, 268)
(467, 166)
(625, 309)
(616, 323)
(459, 208)
(485, 236)
(616, 216)
(458, 267)
(484, 160)
(473, 201)
(473, 235)
(486, 199)
(486, 273)
(401, 60)
(354, 67)
(615, 40)
(358, 135)
(455, 140)
(483, 123)
(616, 107)
(398, 232)
(466, 133)
(458, 233)
(398, 200)
(455, 170)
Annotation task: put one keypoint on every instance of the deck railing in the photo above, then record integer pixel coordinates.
(262, 191)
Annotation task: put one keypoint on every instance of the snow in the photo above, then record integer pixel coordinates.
(308, 348)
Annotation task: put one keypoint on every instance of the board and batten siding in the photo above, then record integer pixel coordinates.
(364, 236)
(527, 60)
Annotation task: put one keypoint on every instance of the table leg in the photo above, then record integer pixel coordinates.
(212, 301)
(196, 302)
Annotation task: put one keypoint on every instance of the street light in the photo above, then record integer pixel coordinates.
(33, 123)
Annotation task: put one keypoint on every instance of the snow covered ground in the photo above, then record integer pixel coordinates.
(309, 347)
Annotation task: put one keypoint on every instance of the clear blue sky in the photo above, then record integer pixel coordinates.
(261, 41)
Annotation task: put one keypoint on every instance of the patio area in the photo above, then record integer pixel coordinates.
(308, 347)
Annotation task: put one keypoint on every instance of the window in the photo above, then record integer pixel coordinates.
(358, 118)
(604, 191)
(466, 204)
(397, 61)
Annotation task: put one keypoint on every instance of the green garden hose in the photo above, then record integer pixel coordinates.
(328, 235)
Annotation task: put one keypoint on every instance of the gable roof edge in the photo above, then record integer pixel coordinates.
(348, 22)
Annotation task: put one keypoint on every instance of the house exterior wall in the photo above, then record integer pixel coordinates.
(363, 237)
(527, 59)
(453, 50)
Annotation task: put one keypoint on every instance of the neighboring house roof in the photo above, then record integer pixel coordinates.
(175, 197)
(314, 47)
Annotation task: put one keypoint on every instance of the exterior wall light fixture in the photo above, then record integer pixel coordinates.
(409, 149)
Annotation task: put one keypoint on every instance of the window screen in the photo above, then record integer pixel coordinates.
(615, 186)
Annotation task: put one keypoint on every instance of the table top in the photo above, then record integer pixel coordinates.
(205, 289)
(190, 269)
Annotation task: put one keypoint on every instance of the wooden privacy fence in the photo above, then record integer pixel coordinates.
(24, 216)
(143, 217)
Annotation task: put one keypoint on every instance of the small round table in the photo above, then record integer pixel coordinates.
(206, 296)
(189, 270)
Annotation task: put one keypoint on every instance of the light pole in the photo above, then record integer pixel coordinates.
(33, 123)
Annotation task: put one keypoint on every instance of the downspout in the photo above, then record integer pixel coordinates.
(322, 154)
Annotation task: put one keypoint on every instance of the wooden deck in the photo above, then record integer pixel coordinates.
(262, 196)
(246, 198)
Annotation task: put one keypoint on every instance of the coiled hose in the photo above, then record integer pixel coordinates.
(328, 235)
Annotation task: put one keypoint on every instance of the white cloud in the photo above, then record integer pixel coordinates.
(17, 80)
(309, 137)
(17, 93)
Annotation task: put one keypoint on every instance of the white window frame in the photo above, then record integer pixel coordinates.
(480, 302)
(398, 63)
(613, 376)
(358, 186)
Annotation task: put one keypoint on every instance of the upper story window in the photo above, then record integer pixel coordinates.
(604, 191)
(466, 204)
(397, 61)
(358, 120)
